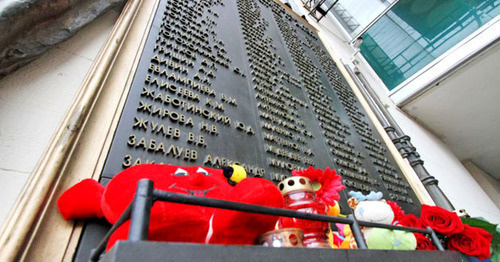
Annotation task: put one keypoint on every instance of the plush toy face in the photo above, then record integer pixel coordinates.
(374, 211)
(178, 222)
(196, 181)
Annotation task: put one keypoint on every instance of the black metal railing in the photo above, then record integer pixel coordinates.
(139, 212)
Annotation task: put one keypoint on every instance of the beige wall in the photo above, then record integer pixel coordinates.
(490, 185)
(33, 101)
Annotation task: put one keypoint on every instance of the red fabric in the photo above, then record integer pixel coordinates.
(337, 241)
(186, 223)
(231, 227)
(441, 220)
(81, 201)
(396, 209)
(471, 241)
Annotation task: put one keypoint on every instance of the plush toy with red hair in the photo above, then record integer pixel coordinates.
(178, 222)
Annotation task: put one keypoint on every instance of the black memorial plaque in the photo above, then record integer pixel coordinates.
(244, 81)
(222, 82)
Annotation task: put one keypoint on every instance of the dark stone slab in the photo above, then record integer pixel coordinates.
(156, 251)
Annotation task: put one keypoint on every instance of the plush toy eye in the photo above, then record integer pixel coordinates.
(181, 172)
(203, 171)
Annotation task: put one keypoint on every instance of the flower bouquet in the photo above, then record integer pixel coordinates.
(471, 236)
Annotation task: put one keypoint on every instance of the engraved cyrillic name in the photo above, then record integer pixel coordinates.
(208, 92)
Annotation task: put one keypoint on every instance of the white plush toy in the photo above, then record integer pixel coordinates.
(372, 208)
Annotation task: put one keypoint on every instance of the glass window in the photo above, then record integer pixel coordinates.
(355, 15)
(415, 32)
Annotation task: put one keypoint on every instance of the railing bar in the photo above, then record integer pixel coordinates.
(141, 211)
(149, 194)
(210, 202)
(410, 229)
(356, 232)
(435, 239)
(96, 253)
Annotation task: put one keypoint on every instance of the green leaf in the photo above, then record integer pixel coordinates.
(495, 257)
(481, 223)
(489, 227)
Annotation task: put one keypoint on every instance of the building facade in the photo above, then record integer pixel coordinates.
(36, 98)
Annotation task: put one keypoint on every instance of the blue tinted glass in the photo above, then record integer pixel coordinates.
(355, 15)
(415, 32)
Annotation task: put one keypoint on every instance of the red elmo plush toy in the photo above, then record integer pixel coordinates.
(177, 222)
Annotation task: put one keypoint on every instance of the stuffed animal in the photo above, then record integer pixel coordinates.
(372, 208)
(178, 222)
(343, 238)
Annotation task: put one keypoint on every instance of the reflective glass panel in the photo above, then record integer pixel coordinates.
(415, 32)
(355, 15)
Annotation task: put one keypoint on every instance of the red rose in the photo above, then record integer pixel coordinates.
(410, 220)
(424, 243)
(396, 209)
(441, 220)
(471, 241)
